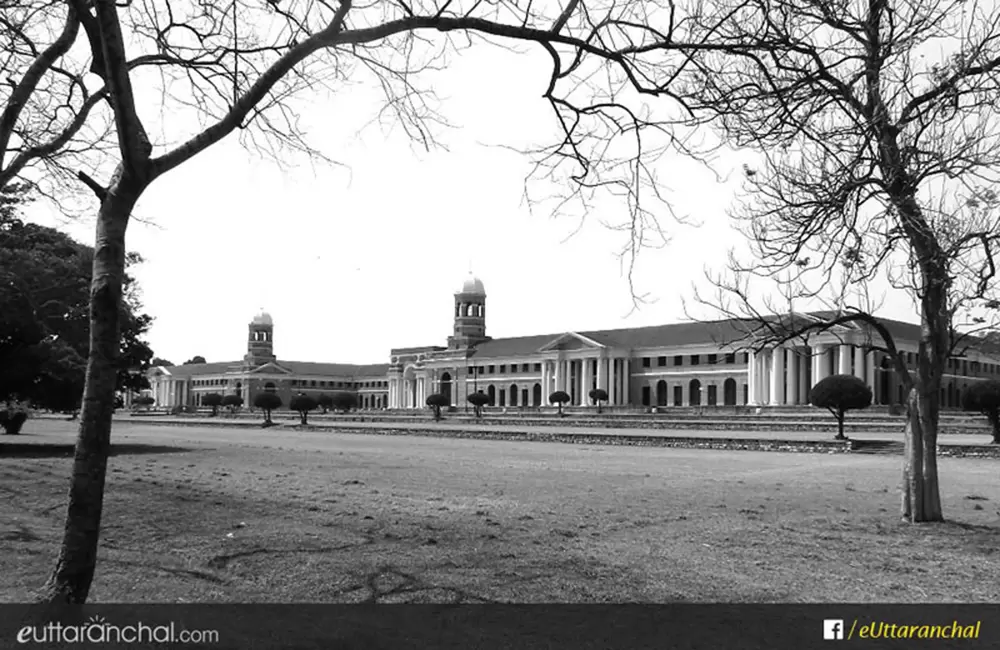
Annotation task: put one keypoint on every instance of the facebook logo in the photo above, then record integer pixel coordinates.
(833, 629)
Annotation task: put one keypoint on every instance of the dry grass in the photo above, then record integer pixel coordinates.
(244, 515)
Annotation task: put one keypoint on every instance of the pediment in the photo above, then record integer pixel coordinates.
(571, 341)
(271, 368)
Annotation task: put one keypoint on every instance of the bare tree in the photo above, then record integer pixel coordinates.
(234, 65)
(875, 123)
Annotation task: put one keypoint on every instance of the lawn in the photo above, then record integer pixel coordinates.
(246, 515)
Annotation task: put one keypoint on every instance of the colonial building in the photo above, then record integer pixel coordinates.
(683, 364)
(260, 371)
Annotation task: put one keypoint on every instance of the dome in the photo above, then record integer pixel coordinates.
(263, 318)
(473, 285)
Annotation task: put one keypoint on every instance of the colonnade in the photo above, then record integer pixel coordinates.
(784, 375)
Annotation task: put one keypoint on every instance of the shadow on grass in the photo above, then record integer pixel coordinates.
(65, 450)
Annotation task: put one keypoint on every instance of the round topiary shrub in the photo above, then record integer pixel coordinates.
(303, 404)
(479, 399)
(599, 395)
(559, 397)
(436, 401)
(839, 394)
(267, 402)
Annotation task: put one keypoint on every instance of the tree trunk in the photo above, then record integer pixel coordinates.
(840, 426)
(921, 498)
(74, 572)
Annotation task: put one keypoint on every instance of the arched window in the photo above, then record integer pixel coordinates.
(491, 392)
(661, 393)
(513, 395)
(446, 385)
(694, 393)
(471, 311)
(536, 395)
(458, 309)
(729, 392)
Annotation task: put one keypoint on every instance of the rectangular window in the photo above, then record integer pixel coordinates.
(538, 367)
(678, 396)
(646, 362)
(694, 360)
(661, 361)
(490, 369)
(678, 360)
(731, 358)
(472, 370)
(313, 383)
(712, 359)
(525, 367)
(503, 368)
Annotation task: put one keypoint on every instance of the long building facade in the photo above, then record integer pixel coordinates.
(683, 364)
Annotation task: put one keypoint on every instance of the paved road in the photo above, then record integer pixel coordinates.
(950, 439)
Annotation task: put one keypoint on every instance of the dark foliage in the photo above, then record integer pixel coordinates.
(839, 394)
(984, 397)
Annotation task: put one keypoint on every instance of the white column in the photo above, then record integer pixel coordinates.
(844, 360)
(752, 377)
(615, 382)
(602, 373)
(611, 381)
(792, 396)
(859, 363)
(777, 376)
(870, 375)
(626, 381)
(585, 363)
(559, 375)
(819, 363)
(545, 381)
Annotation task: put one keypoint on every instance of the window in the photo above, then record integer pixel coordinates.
(712, 360)
(472, 370)
(746, 359)
(503, 368)
(694, 360)
(678, 360)
(482, 370)
(731, 358)
(313, 383)
(661, 361)
(646, 362)
(525, 367)
(538, 367)
(490, 369)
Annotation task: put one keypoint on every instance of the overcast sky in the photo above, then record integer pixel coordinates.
(353, 261)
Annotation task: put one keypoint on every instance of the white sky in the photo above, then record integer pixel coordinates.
(352, 264)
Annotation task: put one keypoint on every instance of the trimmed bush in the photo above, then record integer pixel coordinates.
(325, 402)
(984, 397)
(478, 400)
(344, 400)
(13, 415)
(214, 400)
(303, 404)
(839, 394)
(233, 402)
(437, 400)
(599, 395)
(145, 401)
(559, 397)
(267, 402)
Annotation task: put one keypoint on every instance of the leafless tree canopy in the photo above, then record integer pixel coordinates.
(231, 66)
(877, 124)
